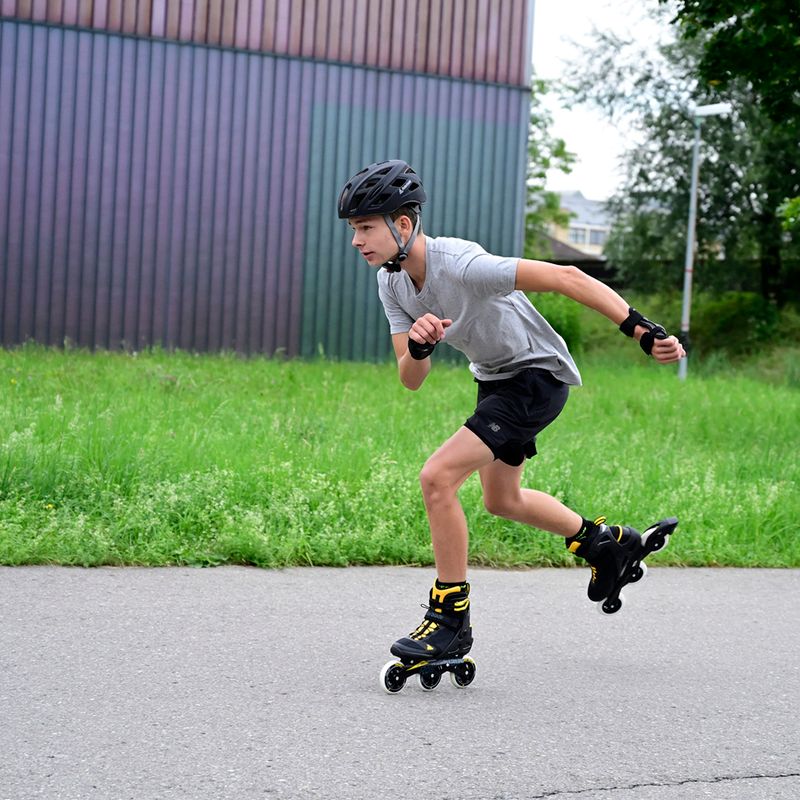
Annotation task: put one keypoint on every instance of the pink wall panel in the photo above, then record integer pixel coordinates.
(483, 40)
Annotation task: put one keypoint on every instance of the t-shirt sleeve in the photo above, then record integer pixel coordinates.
(485, 274)
(399, 320)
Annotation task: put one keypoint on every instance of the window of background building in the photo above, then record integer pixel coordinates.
(597, 237)
(577, 235)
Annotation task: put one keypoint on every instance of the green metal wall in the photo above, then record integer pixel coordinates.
(466, 140)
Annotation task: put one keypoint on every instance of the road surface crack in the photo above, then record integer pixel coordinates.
(632, 786)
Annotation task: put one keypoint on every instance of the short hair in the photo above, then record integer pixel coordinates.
(410, 211)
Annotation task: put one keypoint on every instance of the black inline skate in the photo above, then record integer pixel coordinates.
(438, 645)
(616, 555)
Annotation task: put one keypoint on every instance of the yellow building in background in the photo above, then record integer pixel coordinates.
(589, 224)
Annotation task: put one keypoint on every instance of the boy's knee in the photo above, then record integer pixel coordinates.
(428, 477)
(433, 480)
(500, 505)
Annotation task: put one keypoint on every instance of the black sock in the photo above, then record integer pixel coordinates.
(588, 528)
(441, 585)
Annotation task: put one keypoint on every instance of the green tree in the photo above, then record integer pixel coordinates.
(790, 214)
(758, 43)
(751, 40)
(545, 152)
(746, 172)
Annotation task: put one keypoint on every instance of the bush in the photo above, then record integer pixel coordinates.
(711, 275)
(737, 323)
(563, 314)
(648, 276)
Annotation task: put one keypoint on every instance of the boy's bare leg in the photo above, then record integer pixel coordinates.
(504, 497)
(441, 478)
(443, 475)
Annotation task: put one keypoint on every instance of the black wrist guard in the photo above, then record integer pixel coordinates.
(632, 320)
(654, 330)
(419, 351)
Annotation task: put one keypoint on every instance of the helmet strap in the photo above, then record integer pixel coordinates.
(393, 264)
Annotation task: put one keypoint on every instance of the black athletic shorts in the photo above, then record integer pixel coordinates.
(511, 412)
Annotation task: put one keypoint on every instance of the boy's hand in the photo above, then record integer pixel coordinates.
(667, 351)
(652, 337)
(429, 329)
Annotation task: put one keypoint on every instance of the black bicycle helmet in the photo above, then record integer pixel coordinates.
(379, 190)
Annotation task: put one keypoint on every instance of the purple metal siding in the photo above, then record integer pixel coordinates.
(144, 189)
(153, 192)
(474, 39)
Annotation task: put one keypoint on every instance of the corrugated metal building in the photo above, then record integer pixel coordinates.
(169, 170)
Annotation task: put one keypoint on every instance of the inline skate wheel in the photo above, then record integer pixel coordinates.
(463, 674)
(638, 573)
(606, 607)
(429, 680)
(393, 677)
(655, 541)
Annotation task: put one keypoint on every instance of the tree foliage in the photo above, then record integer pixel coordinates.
(755, 41)
(758, 43)
(545, 152)
(748, 165)
(790, 215)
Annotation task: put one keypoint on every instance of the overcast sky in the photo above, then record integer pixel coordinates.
(596, 143)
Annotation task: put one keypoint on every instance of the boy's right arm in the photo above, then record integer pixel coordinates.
(412, 372)
(428, 329)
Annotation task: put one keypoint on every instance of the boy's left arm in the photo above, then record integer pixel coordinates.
(541, 276)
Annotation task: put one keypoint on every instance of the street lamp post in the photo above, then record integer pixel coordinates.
(700, 113)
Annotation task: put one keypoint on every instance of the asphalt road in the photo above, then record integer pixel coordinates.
(242, 683)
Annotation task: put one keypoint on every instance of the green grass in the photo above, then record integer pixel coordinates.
(178, 459)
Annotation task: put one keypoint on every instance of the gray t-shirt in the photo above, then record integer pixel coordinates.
(494, 325)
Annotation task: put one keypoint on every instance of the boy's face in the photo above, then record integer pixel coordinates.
(373, 239)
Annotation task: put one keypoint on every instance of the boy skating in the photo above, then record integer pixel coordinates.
(435, 289)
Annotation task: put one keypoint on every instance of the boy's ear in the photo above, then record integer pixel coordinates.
(404, 223)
